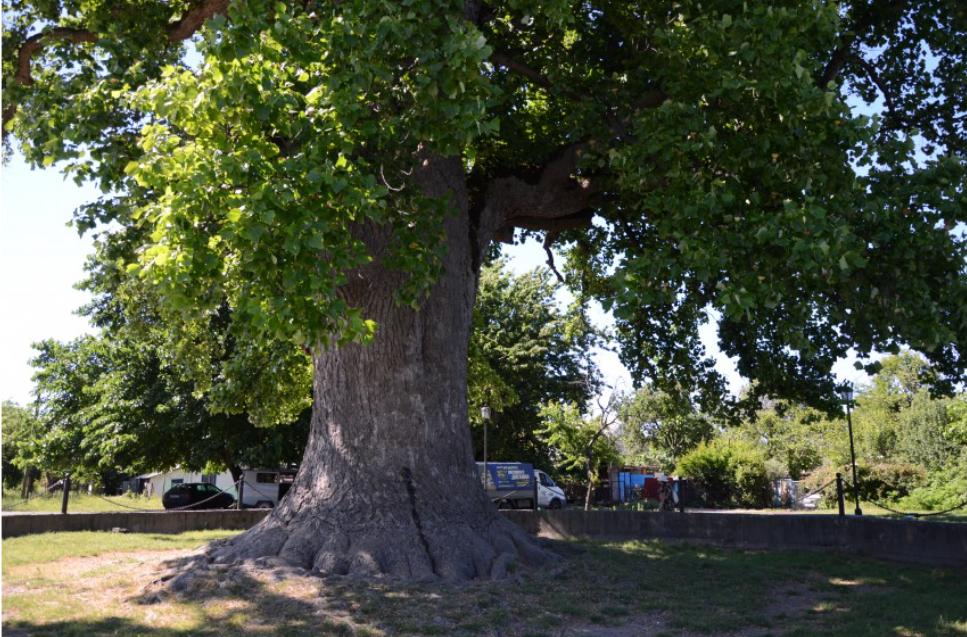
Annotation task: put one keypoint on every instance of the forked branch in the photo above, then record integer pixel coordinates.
(177, 31)
(560, 200)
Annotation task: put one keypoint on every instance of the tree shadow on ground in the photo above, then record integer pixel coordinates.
(615, 590)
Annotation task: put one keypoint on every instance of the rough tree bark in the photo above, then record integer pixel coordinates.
(388, 484)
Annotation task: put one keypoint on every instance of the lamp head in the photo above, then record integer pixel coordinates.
(845, 392)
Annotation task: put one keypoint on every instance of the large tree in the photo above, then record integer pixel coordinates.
(335, 170)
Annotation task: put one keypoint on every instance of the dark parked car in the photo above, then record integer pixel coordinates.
(197, 495)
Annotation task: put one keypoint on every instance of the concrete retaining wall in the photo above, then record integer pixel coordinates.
(942, 543)
(17, 524)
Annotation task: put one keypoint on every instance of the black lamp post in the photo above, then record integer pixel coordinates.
(846, 391)
(485, 413)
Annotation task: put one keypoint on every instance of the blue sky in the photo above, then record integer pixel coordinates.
(41, 259)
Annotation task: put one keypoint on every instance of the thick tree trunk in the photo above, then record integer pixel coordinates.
(28, 483)
(388, 484)
(229, 459)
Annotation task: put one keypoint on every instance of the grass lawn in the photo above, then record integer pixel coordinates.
(80, 584)
(79, 502)
(869, 510)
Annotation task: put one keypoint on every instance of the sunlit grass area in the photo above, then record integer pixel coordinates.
(74, 584)
(78, 502)
(52, 547)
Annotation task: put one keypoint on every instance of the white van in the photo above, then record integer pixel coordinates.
(549, 495)
(517, 485)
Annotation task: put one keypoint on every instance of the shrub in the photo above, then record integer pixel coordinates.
(887, 482)
(882, 482)
(945, 489)
(728, 473)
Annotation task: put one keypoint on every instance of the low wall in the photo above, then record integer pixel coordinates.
(942, 543)
(17, 524)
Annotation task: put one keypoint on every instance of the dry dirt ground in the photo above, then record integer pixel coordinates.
(123, 594)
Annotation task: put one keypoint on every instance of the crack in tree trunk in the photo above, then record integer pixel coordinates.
(411, 491)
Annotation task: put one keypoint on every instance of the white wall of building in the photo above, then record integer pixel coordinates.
(158, 483)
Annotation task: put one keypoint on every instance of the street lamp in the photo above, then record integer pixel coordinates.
(485, 412)
(846, 391)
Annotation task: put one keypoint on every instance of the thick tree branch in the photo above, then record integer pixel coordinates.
(505, 234)
(503, 59)
(571, 222)
(836, 63)
(194, 19)
(177, 31)
(843, 52)
(651, 99)
(36, 42)
(876, 79)
(558, 201)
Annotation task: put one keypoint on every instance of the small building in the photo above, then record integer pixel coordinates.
(156, 483)
(263, 488)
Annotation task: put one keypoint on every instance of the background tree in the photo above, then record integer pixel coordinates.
(135, 414)
(658, 427)
(581, 444)
(893, 388)
(947, 487)
(908, 455)
(728, 472)
(18, 428)
(798, 438)
(924, 432)
(524, 352)
(330, 169)
(151, 392)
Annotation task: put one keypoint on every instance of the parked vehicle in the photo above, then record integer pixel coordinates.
(518, 485)
(265, 488)
(197, 495)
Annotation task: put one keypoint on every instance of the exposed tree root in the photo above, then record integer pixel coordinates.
(428, 553)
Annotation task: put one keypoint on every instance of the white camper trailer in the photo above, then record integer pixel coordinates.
(265, 488)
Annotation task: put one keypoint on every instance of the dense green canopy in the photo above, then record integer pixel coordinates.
(687, 156)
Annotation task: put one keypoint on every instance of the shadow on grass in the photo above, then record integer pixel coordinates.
(611, 590)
